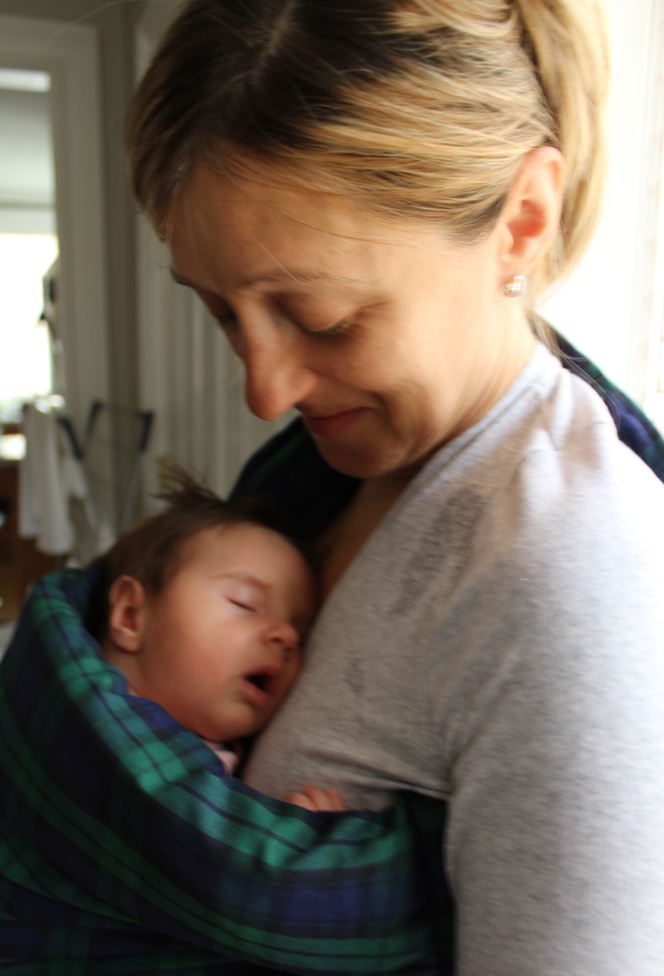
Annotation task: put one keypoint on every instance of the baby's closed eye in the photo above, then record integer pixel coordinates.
(244, 598)
(243, 604)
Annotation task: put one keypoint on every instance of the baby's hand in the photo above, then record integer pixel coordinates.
(311, 798)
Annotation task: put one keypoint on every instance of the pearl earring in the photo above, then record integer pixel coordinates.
(515, 287)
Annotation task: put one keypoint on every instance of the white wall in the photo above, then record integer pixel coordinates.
(606, 307)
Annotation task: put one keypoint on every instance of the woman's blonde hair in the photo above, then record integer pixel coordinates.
(416, 108)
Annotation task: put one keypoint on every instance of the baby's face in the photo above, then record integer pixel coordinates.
(222, 640)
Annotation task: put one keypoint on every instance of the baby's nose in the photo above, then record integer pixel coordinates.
(282, 634)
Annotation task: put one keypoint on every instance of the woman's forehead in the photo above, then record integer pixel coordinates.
(251, 219)
(254, 233)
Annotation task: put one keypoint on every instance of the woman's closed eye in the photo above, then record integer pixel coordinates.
(339, 329)
(229, 324)
(318, 319)
(227, 320)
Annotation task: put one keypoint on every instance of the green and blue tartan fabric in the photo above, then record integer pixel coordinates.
(124, 847)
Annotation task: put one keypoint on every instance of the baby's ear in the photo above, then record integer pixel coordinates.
(126, 621)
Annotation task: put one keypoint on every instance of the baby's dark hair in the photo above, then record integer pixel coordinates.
(151, 550)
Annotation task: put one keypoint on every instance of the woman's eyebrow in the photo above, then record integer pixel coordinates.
(285, 275)
(298, 276)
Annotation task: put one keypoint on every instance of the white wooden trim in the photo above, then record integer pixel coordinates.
(69, 52)
(648, 296)
(605, 306)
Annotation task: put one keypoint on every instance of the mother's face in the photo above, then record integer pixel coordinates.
(388, 338)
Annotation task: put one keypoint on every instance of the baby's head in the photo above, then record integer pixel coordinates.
(207, 608)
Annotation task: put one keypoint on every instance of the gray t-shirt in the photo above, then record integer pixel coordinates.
(499, 643)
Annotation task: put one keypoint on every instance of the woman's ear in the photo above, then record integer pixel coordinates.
(126, 621)
(530, 215)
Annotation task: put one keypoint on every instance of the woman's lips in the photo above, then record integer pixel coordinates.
(332, 424)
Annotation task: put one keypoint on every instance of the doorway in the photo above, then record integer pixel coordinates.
(51, 204)
(28, 241)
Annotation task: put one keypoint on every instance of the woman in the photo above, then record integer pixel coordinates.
(358, 193)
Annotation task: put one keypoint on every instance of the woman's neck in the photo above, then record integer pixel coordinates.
(347, 534)
(513, 346)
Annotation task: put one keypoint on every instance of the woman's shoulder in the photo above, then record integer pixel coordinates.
(544, 507)
(570, 464)
(555, 586)
(573, 536)
(634, 428)
(554, 444)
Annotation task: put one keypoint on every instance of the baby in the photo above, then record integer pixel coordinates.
(207, 605)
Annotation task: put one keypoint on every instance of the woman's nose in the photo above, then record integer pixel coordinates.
(276, 374)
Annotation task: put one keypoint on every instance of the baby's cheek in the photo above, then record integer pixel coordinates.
(294, 673)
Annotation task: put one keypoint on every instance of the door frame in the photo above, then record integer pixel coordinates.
(69, 52)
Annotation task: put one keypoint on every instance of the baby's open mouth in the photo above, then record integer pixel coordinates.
(264, 680)
(260, 680)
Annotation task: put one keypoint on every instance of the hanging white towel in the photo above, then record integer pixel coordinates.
(43, 509)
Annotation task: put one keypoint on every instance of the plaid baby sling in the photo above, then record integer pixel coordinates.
(124, 847)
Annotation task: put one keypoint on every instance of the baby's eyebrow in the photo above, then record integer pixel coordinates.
(247, 578)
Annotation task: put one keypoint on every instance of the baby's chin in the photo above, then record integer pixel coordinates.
(228, 731)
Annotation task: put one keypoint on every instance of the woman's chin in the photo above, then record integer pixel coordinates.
(359, 461)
